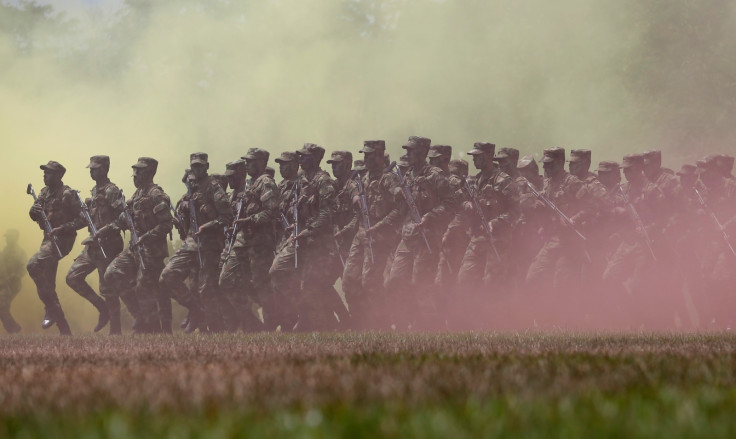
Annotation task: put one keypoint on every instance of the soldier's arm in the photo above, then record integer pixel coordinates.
(163, 215)
(391, 188)
(270, 200)
(510, 207)
(37, 207)
(444, 196)
(73, 211)
(326, 193)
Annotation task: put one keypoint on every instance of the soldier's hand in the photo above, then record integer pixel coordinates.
(421, 224)
(467, 206)
(370, 230)
(540, 204)
(243, 221)
(289, 229)
(102, 232)
(36, 210)
(55, 231)
(490, 226)
(301, 235)
(201, 229)
(143, 238)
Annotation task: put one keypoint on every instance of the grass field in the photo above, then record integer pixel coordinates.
(369, 385)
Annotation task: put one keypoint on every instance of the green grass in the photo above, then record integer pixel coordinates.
(369, 385)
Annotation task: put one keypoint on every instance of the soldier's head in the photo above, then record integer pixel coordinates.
(528, 168)
(725, 164)
(288, 165)
(440, 156)
(633, 166)
(417, 149)
(310, 156)
(342, 163)
(652, 163)
(553, 161)
(458, 167)
(53, 172)
(579, 162)
(360, 167)
(688, 175)
(199, 165)
(404, 163)
(507, 159)
(609, 174)
(99, 165)
(482, 153)
(373, 154)
(256, 161)
(235, 173)
(144, 171)
(710, 174)
(11, 236)
(270, 172)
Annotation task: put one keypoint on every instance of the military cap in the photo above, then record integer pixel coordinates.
(653, 155)
(417, 142)
(579, 155)
(439, 151)
(725, 161)
(312, 149)
(483, 148)
(287, 156)
(99, 161)
(270, 171)
(459, 165)
(553, 154)
(404, 161)
(198, 158)
(338, 156)
(359, 165)
(687, 170)
(145, 162)
(373, 145)
(234, 166)
(608, 166)
(506, 152)
(528, 162)
(256, 154)
(54, 167)
(632, 160)
(12, 233)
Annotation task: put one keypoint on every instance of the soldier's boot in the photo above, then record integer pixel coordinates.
(165, 313)
(48, 320)
(113, 311)
(104, 317)
(166, 325)
(8, 321)
(63, 325)
(185, 322)
(196, 320)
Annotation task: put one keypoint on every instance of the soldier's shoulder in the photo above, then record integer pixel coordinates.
(434, 173)
(157, 191)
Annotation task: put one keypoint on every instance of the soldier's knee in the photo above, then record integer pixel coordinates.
(74, 279)
(167, 278)
(34, 268)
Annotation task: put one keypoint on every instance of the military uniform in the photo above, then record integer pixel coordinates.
(149, 207)
(61, 207)
(345, 219)
(12, 260)
(457, 235)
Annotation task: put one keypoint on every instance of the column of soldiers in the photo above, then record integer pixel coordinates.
(415, 244)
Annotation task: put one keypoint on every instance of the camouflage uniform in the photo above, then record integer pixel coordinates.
(61, 207)
(526, 240)
(212, 208)
(245, 273)
(457, 235)
(150, 211)
(345, 219)
(12, 260)
(105, 206)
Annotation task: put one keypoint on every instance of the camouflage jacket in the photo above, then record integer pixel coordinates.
(286, 206)
(151, 214)
(380, 188)
(595, 201)
(212, 207)
(316, 203)
(647, 199)
(260, 209)
(459, 219)
(105, 206)
(345, 216)
(563, 190)
(431, 192)
(62, 209)
(498, 196)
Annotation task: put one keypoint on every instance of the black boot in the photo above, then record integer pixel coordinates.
(196, 320)
(63, 326)
(48, 320)
(104, 314)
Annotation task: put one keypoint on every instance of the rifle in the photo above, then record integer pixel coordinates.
(295, 232)
(193, 223)
(363, 211)
(638, 221)
(413, 210)
(179, 221)
(92, 228)
(484, 222)
(718, 224)
(133, 233)
(237, 217)
(337, 247)
(551, 205)
(45, 221)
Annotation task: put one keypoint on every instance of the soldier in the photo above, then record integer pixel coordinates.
(412, 274)
(201, 249)
(245, 274)
(270, 172)
(12, 260)
(363, 276)
(440, 156)
(59, 203)
(345, 219)
(527, 241)
(529, 169)
(135, 271)
(456, 238)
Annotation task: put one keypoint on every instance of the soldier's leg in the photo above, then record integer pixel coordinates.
(173, 284)
(318, 293)
(42, 268)
(398, 285)
(351, 275)
(285, 284)
(76, 279)
(209, 291)
(424, 297)
(260, 259)
(149, 293)
(6, 318)
(373, 283)
(232, 280)
(540, 275)
(120, 278)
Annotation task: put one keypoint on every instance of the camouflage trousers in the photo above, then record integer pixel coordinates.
(139, 289)
(245, 283)
(557, 266)
(206, 298)
(42, 268)
(454, 244)
(7, 294)
(482, 270)
(89, 260)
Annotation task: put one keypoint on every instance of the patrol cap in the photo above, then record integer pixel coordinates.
(652, 156)
(359, 165)
(339, 156)
(287, 156)
(483, 148)
(687, 170)
(439, 151)
(458, 166)
(725, 161)
(234, 166)
(54, 167)
(99, 161)
(579, 155)
(528, 162)
(145, 162)
(256, 154)
(312, 149)
(553, 154)
(198, 158)
(373, 145)
(632, 160)
(608, 166)
(417, 142)
(506, 152)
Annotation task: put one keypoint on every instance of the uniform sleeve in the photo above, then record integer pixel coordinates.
(390, 188)
(163, 214)
(445, 203)
(222, 206)
(510, 210)
(269, 199)
(72, 209)
(326, 193)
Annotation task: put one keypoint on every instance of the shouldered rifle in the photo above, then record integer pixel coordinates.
(363, 212)
(484, 222)
(413, 210)
(551, 205)
(193, 223)
(133, 233)
(234, 232)
(718, 224)
(45, 221)
(637, 219)
(92, 228)
(295, 232)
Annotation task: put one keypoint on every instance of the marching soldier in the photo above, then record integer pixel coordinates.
(456, 238)
(12, 260)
